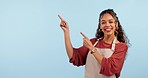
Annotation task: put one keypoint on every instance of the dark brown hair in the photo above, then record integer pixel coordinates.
(119, 32)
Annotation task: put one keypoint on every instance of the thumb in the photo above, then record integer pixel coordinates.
(63, 28)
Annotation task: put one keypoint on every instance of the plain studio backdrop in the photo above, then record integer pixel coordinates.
(32, 42)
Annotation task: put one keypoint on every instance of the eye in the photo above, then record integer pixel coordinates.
(103, 22)
(111, 22)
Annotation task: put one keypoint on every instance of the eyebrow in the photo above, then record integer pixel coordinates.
(108, 20)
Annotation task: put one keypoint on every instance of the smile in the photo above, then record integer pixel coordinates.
(108, 29)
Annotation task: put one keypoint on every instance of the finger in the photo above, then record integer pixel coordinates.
(85, 41)
(85, 44)
(62, 24)
(63, 28)
(83, 35)
(60, 18)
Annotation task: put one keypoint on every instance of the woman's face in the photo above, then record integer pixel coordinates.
(107, 24)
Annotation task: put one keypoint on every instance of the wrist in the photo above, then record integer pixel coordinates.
(66, 32)
(93, 50)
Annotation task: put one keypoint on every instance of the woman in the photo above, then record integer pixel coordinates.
(104, 55)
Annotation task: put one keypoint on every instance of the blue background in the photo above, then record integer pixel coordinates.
(32, 43)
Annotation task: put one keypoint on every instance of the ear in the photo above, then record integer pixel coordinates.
(100, 27)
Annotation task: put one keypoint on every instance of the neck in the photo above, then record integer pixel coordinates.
(109, 38)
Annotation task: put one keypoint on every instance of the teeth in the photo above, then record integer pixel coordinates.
(108, 29)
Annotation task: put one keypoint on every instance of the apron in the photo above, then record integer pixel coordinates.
(92, 67)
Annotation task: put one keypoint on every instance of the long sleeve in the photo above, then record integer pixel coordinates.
(114, 64)
(80, 55)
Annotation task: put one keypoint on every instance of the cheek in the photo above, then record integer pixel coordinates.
(113, 26)
(114, 29)
(101, 26)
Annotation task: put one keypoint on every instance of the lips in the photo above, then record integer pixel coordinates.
(108, 29)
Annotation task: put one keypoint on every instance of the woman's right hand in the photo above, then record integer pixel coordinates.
(63, 24)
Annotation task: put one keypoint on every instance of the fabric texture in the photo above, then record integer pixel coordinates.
(109, 66)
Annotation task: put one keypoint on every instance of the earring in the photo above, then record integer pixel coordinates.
(100, 30)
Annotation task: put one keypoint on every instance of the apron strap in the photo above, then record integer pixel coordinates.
(97, 42)
(113, 44)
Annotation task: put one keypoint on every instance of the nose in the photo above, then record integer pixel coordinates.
(107, 24)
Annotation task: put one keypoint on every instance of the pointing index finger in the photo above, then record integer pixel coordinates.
(60, 17)
(83, 35)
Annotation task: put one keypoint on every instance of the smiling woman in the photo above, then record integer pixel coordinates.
(104, 55)
(109, 21)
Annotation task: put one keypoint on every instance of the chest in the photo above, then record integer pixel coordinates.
(105, 52)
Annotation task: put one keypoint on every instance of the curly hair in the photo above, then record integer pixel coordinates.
(119, 32)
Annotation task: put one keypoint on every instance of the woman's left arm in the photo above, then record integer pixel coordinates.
(114, 64)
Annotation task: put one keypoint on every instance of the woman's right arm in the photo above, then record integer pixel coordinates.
(77, 56)
(68, 45)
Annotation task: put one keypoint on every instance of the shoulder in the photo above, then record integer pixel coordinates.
(121, 46)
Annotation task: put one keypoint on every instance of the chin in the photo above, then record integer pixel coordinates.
(108, 33)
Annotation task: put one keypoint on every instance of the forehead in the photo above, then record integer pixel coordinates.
(107, 16)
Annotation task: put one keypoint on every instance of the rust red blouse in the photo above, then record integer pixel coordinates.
(109, 66)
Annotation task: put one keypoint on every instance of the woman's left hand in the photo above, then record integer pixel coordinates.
(86, 42)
